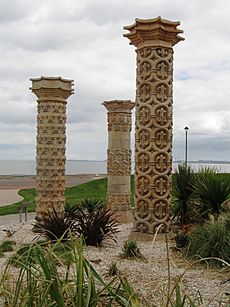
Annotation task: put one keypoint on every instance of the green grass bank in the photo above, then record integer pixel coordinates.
(94, 189)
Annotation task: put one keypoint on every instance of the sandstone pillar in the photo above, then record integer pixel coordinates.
(52, 93)
(153, 39)
(119, 158)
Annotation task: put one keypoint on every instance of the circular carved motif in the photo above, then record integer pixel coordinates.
(161, 115)
(162, 69)
(144, 138)
(142, 227)
(161, 162)
(143, 162)
(144, 115)
(161, 210)
(162, 92)
(161, 138)
(142, 209)
(145, 70)
(143, 186)
(144, 92)
(162, 52)
(161, 186)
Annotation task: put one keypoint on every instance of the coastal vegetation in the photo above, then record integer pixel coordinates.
(41, 282)
(200, 211)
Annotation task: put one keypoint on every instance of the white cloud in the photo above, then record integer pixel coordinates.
(82, 40)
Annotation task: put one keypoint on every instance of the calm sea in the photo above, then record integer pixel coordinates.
(74, 167)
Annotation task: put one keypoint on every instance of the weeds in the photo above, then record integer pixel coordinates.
(131, 250)
(113, 270)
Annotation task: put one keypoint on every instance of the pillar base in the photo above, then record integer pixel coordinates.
(124, 216)
(145, 237)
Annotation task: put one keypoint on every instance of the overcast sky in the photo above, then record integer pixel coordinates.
(82, 40)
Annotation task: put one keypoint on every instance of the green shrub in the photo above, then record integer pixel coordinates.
(131, 250)
(211, 240)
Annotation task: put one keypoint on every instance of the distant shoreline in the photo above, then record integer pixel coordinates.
(175, 161)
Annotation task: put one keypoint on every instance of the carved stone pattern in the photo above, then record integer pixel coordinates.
(120, 202)
(119, 121)
(119, 162)
(50, 179)
(153, 153)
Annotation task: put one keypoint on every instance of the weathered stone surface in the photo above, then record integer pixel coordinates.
(119, 158)
(154, 39)
(52, 93)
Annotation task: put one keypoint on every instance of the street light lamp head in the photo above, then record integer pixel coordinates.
(186, 128)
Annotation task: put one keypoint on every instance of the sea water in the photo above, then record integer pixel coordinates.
(75, 167)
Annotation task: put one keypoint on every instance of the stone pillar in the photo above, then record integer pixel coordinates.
(52, 93)
(153, 39)
(119, 158)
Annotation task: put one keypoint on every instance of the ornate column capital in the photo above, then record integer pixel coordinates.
(51, 88)
(119, 106)
(153, 32)
(119, 114)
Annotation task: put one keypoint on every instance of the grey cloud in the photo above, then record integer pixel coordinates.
(11, 10)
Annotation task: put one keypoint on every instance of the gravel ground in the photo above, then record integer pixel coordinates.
(148, 277)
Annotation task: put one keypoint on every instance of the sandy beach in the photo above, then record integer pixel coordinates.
(26, 182)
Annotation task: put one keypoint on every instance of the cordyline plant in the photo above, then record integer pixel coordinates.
(96, 226)
(90, 220)
(54, 225)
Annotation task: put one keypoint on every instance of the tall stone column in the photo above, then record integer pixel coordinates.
(52, 93)
(153, 39)
(119, 158)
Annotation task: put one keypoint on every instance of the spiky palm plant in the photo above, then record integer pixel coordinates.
(91, 204)
(182, 192)
(211, 190)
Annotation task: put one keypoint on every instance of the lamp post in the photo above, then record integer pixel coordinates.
(186, 145)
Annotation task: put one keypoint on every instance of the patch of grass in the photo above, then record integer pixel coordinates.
(7, 246)
(96, 189)
(28, 195)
